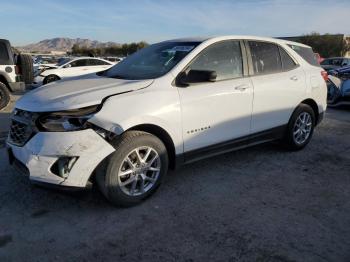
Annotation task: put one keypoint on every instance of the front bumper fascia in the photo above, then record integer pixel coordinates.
(42, 151)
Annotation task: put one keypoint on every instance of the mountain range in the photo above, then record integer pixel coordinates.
(63, 44)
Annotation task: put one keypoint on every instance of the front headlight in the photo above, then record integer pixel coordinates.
(66, 120)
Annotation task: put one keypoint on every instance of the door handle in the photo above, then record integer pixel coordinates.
(242, 87)
(294, 78)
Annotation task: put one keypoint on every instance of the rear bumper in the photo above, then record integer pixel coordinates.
(40, 156)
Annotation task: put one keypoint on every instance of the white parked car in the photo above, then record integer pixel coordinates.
(169, 104)
(69, 67)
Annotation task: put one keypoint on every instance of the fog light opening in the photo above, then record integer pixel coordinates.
(63, 166)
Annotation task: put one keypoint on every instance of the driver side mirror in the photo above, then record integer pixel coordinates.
(195, 76)
(68, 66)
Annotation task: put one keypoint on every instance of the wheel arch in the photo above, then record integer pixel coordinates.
(4, 81)
(312, 103)
(52, 74)
(163, 135)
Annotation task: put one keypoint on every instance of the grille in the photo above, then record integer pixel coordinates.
(19, 133)
(21, 127)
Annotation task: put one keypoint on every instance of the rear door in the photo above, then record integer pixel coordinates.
(279, 85)
(217, 112)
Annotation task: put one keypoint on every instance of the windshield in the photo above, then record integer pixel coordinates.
(151, 62)
(63, 61)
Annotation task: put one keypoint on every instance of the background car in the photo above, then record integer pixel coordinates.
(334, 63)
(338, 91)
(343, 72)
(69, 67)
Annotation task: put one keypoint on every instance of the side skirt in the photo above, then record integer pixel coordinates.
(231, 145)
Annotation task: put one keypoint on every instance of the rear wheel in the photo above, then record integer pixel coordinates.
(135, 170)
(4, 96)
(300, 127)
(50, 78)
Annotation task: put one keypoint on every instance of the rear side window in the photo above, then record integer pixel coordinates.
(96, 62)
(4, 56)
(225, 58)
(287, 62)
(265, 57)
(306, 53)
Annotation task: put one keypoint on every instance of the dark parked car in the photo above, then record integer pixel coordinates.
(335, 63)
(342, 72)
(338, 91)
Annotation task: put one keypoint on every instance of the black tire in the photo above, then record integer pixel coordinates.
(50, 78)
(107, 173)
(25, 63)
(290, 140)
(4, 96)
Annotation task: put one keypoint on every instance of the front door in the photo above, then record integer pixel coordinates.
(217, 112)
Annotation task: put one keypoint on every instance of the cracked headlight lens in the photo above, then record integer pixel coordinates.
(70, 120)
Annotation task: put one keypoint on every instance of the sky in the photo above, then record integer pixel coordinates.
(124, 21)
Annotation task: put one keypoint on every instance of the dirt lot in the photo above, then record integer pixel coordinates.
(257, 204)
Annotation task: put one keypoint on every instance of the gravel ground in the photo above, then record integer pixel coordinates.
(257, 204)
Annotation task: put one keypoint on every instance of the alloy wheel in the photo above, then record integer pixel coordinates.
(302, 128)
(139, 171)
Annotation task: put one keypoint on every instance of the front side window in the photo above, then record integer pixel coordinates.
(265, 57)
(80, 62)
(151, 62)
(225, 58)
(287, 62)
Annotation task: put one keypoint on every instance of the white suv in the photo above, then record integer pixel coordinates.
(171, 103)
(71, 67)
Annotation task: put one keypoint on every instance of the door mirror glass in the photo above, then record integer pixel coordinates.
(196, 76)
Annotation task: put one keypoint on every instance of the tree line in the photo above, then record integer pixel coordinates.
(114, 50)
(326, 45)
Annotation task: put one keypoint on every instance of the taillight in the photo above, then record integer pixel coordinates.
(17, 70)
(324, 74)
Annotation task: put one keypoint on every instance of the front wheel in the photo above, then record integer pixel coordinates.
(135, 170)
(50, 78)
(300, 127)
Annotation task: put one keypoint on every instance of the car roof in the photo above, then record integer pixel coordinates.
(336, 57)
(88, 57)
(243, 37)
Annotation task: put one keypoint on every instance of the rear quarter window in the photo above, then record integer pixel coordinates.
(307, 53)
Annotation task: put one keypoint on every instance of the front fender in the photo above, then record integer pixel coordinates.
(160, 108)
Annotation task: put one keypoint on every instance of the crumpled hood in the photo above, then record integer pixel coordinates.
(76, 93)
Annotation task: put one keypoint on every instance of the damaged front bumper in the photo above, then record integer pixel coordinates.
(61, 158)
